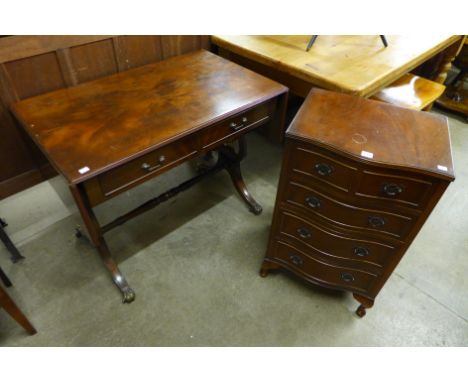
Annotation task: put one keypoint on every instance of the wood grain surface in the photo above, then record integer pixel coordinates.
(99, 124)
(34, 65)
(411, 91)
(358, 181)
(420, 140)
(358, 65)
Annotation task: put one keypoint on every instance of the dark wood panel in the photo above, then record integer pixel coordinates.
(91, 61)
(20, 182)
(17, 47)
(205, 42)
(33, 65)
(136, 51)
(175, 45)
(15, 157)
(35, 75)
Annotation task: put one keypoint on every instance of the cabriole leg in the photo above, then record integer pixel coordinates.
(366, 303)
(266, 267)
(128, 295)
(232, 164)
(95, 234)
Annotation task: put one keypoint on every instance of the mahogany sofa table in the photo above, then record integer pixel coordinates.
(109, 135)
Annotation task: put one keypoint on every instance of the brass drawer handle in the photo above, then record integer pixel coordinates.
(323, 169)
(361, 251)
(234, 126)
(296, 260)
(392, 189)
(304, 233)
(147, 167)
(376, 221)
(313, 202)
(347, 277)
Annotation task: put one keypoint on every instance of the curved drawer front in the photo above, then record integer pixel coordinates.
(391, 188)
(333, 244)
(319, 271)
(346, 215)
(324, 167)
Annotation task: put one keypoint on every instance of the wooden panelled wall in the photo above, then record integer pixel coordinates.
(32, 65)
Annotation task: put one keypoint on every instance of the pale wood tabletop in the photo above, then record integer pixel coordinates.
(358, 65)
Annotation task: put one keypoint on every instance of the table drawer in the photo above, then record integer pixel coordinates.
(236, 125)
(146, 166)
(319, 271)
(347, 215)
(335, 244)
(326, 168)
(391, 188)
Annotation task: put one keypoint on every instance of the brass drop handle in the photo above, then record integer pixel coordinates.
(296, 260)
(361, 251)
(235, 126)
(147, 167)
(313, 202)
(304, 233)
(392, 189)
(347, 277)
(323, 169)
(376, 221)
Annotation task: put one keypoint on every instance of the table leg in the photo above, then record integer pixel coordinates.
(15, 255)
(436, 69)
(232, 165)
(445, 63)
(98, 240)
(8, 304)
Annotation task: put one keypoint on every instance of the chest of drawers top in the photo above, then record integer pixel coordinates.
(375, 133)
(105, 123)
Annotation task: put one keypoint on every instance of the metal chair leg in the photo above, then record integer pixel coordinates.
(384, 40)
(15, 255)
(5, 279)
(311, 42)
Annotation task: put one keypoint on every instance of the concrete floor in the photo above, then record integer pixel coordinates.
(194, 262)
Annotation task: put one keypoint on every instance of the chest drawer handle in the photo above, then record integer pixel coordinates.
(304, 233)
(313, 202)
(147, 167)
(296, 260)
(376, 221)
(361, 251)
(347, 277)
(323, 169)
(392, 189)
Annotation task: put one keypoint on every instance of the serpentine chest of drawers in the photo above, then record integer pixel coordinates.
(359, 179)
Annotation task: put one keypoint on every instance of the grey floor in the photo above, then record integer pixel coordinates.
(194, 262)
